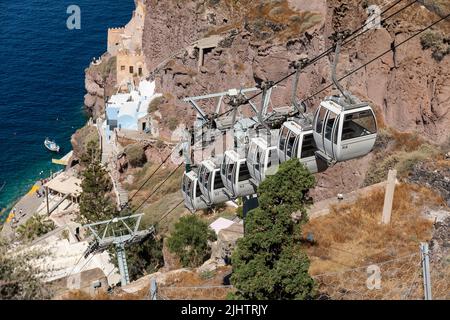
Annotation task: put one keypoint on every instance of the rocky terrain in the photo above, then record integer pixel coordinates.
(409, 87)
(100, 81)
(410, 90)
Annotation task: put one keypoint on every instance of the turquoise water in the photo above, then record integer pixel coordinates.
(42, 82)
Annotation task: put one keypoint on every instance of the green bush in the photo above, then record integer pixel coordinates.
(173, 123)
(402, 161)
(135, 155)
(269, 263)
(154, 104)
(206, 275)
(144, 258)
(35, 227)
(190, 239)
(437, 43)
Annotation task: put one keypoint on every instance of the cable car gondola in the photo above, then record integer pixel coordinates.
(261, 158)
(191, 192)
(296, 140)
(236, 176)
(344, 128)
(211, 185)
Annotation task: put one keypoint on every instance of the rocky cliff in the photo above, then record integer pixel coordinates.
(409, 88)
(100, 81)
(411, 91)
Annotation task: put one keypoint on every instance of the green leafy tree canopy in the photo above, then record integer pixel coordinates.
(35, 227)
(268, 263)
(190, 239)
(95, 203)
(19, 279)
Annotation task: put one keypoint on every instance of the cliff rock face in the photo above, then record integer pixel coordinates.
(100, 80)
(409, 90)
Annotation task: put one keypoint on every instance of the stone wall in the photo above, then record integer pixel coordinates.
(114, 40)
(129, 67)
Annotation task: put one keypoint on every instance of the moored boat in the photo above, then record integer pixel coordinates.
(51, 145)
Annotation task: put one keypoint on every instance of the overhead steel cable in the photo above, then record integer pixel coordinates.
(381, 22)
(352, 36)
(75, 265)
(169, 212)
(158, 187)
(151, 176)
(328, 51)
(377, 57)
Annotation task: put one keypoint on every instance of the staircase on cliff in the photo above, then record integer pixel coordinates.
(109, 155)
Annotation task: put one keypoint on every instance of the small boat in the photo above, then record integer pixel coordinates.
(51, 145)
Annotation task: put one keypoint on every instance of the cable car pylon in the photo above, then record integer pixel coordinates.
(119, 232)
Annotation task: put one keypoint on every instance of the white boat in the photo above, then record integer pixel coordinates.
(51, 145)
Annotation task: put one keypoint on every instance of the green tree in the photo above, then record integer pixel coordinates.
(190, 239)
(268, 263)
(95, 203)
(144, 258)
(19, 279)
(35, 227)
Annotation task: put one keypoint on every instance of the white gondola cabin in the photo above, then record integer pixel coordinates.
(191, 192)
(261, 159)
(344, 131)
(236, 176)
(211, 184)
(296, 140)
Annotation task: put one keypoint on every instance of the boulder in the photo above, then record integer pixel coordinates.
(226, 242)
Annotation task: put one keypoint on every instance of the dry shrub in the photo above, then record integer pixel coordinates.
(402, 161)
(352, 234)
(406, 141)
(192, 286)
(435, 41)
(155, 103)
(135, 155)
(118, 295)
(400, 151)
(268, 19)
(124, 142)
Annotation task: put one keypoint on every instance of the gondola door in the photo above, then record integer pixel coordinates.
(330, 136)
(326, 131)
(319, 120)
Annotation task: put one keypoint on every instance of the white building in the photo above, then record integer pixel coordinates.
(129, 111)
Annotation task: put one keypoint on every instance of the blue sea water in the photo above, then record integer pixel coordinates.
(42, 66)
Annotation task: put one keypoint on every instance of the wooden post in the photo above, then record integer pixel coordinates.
(389, 197)
(200, 57)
